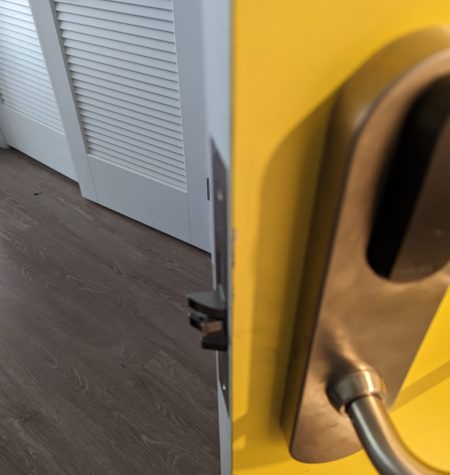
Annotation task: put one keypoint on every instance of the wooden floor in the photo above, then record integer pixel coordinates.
(99, 370)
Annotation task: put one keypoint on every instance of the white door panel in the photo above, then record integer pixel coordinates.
(29, 116)
(133, 72)
(129, 194)
(37, 140)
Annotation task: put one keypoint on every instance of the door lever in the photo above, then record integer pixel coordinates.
(361, 395)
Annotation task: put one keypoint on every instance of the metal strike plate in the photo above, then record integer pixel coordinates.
(209, 309)
(350, 317)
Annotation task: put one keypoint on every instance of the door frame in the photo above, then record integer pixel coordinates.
(217, 44)
(191, 75)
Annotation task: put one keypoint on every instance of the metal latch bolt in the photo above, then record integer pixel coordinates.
(209, 313)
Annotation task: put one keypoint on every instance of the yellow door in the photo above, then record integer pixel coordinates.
(289, 59)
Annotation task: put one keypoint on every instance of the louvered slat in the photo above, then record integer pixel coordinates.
(130, 97)
(134, 30)
(119, 12)
(24, 82)
(148, 92)
(20, 24)
(94, 116)
(16, 63)
(15, 12)
(35, 94)
(27, 82)
(132, 136)
(124, 114)
(163, 168)
(85, 39)
(19, 2)
(128, 62)
(114, 119)
(13, 30)
(130, 102)
(109, 34)
(33, 99)
(141, 152)
(150, 115)
(164, 4)
(156, 134)
(17, 6)
(121, 75)
(123, 67)
(20, 42)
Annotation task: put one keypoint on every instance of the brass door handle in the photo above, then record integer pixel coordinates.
(360, 395)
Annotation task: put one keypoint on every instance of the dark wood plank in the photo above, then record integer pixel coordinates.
(99, 370)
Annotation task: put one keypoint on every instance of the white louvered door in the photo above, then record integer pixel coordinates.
(135, 73)
(29, 117)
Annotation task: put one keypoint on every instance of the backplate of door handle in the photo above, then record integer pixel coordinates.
(377, 262)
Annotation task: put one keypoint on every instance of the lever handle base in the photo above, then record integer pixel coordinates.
(374, 427)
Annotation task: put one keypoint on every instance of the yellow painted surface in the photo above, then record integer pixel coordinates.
(289, 58)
